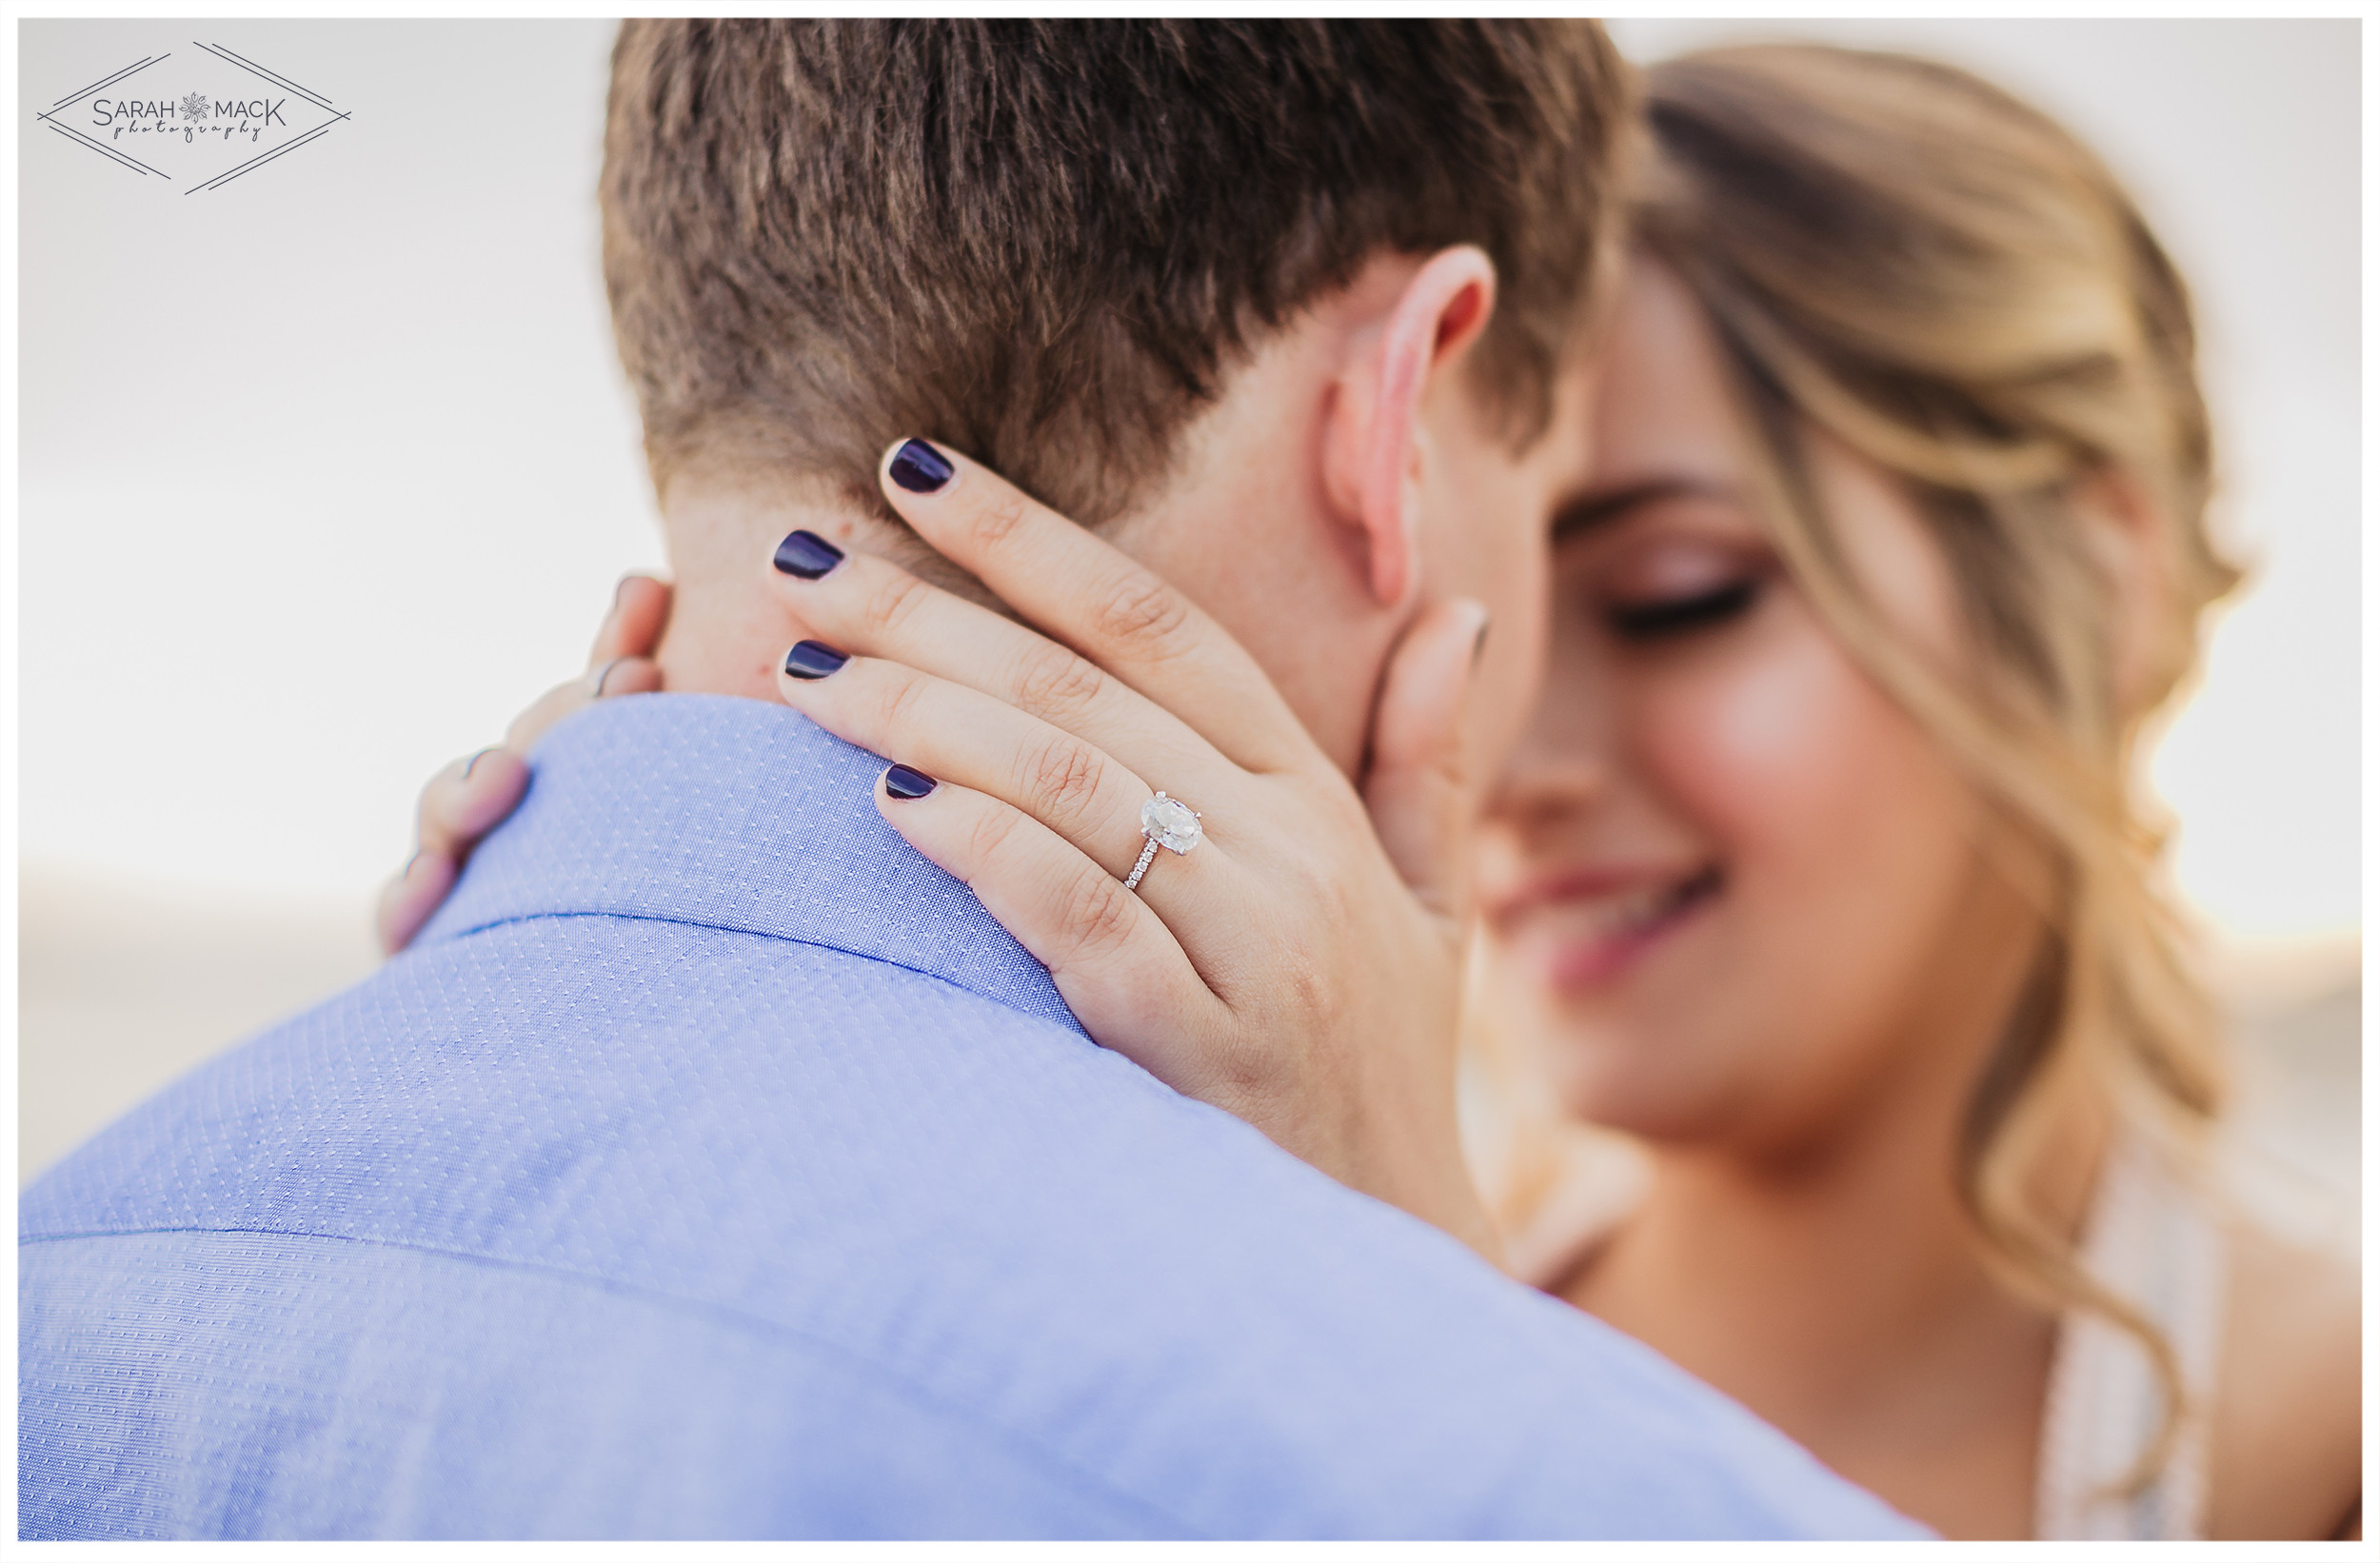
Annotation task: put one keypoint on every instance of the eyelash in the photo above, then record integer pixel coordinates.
(1680, 615)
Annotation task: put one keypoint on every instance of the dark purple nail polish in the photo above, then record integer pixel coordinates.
(813, 660)
(920, 468)
(807, 555)
(904, 782)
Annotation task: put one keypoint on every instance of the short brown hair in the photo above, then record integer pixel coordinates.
(1045, 241)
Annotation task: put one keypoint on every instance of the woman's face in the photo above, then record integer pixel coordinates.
(1741, 887)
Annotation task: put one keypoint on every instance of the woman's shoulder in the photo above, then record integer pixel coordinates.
(2288, 1425)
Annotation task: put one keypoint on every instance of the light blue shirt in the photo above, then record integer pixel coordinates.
(715, 1166)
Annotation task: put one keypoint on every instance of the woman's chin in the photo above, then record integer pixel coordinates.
(1634, 1081)
(1630, 1032)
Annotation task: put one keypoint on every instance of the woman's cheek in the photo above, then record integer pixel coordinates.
(1795, 769)
(1765, 746)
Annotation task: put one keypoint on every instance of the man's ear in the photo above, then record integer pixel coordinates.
(1373, 438)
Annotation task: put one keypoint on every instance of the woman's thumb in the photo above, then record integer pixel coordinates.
(1419, 787)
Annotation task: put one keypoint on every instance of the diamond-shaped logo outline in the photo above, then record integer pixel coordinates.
(298, 136)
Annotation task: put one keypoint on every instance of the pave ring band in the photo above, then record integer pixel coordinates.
(1168, 822)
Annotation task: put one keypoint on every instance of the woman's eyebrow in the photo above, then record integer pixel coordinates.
(1600, 508)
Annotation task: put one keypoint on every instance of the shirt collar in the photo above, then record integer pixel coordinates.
(735, 814)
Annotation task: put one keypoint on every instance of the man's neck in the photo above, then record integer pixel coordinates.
(731, 620)
(1229, 532)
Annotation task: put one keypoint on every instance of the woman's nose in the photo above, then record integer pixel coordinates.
(1553, 777)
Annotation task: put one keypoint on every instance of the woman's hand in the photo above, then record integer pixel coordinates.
(473, 795)
(1300, 967)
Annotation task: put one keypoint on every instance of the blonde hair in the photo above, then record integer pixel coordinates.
(1941, 278)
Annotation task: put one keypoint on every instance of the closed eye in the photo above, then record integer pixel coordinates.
(1659, 619)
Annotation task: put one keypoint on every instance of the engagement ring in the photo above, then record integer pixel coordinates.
(1168, 822)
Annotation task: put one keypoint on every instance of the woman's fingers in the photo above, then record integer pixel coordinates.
(640, 611)
(474, 795)
(1419, 789)
(620, 676)
(1112, 960)
(407, 900)
(1086, 797)
(619, 664)
(1097, 598)
(462, 803)
(468, 799)
(872, 608)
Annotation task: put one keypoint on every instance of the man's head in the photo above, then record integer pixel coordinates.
(1074, 250)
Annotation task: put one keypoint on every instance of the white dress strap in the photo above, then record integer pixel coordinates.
(2153, 1240)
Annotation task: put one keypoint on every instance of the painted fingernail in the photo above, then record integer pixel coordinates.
(471, 764)
(904, 782)
(920, 468)
(807, 555)
(813, 660)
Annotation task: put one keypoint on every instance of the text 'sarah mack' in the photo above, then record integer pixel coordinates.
(157, 116)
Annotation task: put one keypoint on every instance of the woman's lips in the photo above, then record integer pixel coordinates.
(1591, 927)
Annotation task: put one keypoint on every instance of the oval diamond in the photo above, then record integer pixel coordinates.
(1170, 823)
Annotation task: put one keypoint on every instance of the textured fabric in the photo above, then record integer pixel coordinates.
(714, 1166)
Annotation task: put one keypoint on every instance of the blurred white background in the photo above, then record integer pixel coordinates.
(327, 473)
